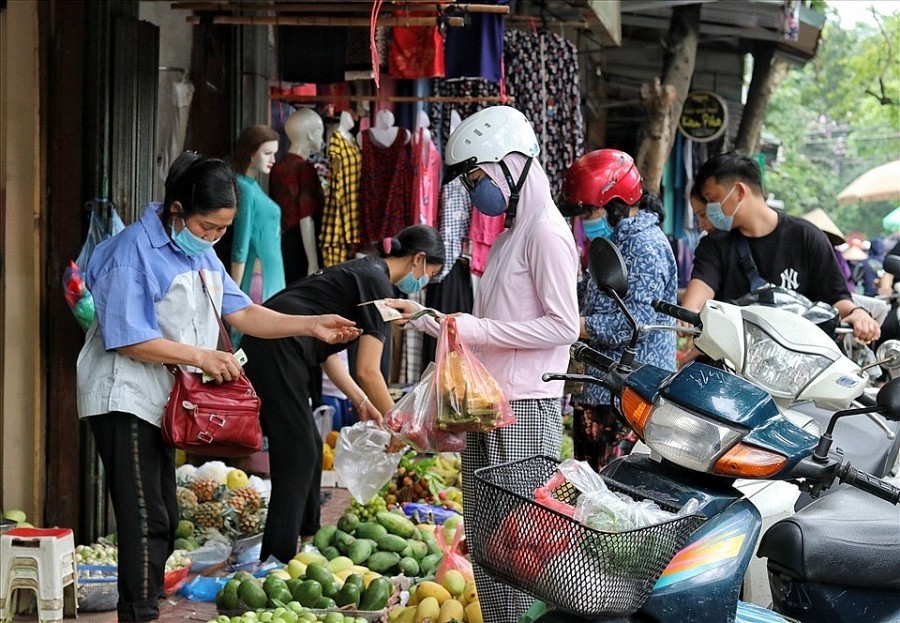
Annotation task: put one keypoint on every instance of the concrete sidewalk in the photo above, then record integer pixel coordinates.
(176, 609)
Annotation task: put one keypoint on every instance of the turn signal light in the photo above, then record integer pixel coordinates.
(636, 410)
(746, 461)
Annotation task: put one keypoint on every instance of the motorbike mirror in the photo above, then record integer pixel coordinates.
(891, 264)
(888, 354)
(889, 399)
(608, 267)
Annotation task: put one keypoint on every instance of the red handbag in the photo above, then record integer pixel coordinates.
(210, 419)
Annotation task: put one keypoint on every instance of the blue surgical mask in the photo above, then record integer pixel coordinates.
(597, 228)
(717, 217)
(487, 197)
(410, 285)
(190, 243)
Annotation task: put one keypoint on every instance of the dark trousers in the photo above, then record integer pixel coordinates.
(282, 381)
(140, 475)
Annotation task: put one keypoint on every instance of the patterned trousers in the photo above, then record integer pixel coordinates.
(538, 430)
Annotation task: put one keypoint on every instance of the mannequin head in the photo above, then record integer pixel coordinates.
(384, 119)
(345, 125)
(255, 150)
(305, 129)
(423, 123)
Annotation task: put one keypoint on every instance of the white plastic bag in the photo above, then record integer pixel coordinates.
(361, 461)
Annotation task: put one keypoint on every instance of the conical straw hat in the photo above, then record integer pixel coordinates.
(820, 219)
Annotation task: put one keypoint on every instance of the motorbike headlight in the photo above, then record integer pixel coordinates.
(778, 370)
(688, 439)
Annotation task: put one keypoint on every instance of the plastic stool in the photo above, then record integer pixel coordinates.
(41, 561)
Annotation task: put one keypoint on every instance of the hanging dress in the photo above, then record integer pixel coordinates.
(386, 187)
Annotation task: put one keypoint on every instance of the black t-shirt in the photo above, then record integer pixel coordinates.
(796, 256)
(337, 290)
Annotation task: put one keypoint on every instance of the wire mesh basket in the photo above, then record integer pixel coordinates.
(557, 559)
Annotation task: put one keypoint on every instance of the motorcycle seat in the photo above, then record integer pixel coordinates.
(847, 537)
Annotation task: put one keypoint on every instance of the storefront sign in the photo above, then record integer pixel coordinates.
(703, 117)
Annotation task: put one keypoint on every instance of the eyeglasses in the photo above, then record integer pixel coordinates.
(468, 180)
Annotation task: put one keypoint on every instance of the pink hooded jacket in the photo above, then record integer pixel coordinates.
(526, 309)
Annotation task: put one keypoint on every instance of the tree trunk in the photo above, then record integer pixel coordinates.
(767, 75)
(665, 98)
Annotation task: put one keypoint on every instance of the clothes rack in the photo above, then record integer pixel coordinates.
(321, 20)
(409, 99)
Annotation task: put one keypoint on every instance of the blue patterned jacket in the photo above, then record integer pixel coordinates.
(651, 275)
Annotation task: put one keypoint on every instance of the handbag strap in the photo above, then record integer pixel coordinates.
(223, 333)
(747, 263)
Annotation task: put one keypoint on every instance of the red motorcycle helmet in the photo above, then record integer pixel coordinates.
(598, 177)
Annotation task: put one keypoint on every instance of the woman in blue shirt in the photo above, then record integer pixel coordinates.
(605, 189)
(151, 309)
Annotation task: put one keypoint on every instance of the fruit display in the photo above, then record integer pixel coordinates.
(291, 612)
(18, 517)
(454, 599)
(387, 543)
(311, 584)
(216, 499)
(426, 480)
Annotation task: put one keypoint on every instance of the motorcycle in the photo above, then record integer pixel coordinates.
(706, 428)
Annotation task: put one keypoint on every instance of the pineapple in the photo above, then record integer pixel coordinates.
(206, 490)
(245, 499)
(187, 502)
(210, 515)
(250, 523)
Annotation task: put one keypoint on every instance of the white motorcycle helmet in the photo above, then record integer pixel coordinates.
(488, 136)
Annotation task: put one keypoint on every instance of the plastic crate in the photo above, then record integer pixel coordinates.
(97, 588)
(555, 558)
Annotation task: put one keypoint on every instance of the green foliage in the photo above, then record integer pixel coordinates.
(832, 130)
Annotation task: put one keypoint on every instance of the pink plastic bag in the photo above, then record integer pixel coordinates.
(544, 495)
(453, 556)
(412, 419)
(469, 399)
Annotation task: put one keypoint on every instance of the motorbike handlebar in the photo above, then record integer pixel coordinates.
(585, 354)
(677, 312)
(870, 484)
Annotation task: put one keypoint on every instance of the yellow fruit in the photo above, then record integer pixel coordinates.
(280, 573)
(327, 457)
(307, 558)
(473, 612)
(339, 563)
(180, 457)
(451, 610)
(368, 576)
(331, 438)
(427, 589)
(469, 593)
(406, 615)
(236, 479)
(454, 582)
(428, 610)
(296, 569)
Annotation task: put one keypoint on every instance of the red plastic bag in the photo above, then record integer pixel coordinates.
(412, 419)
(469, 399)
(527, 540)
(453, 556)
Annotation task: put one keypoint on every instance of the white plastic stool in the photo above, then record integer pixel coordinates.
(40, 560)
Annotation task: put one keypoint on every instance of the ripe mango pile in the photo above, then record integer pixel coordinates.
(453, 599)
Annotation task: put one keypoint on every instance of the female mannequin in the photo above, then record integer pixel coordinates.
(346, 125)
(385, 132)
(257, 225)
(295, 186)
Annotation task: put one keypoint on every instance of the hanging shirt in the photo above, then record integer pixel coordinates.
(340, 219)
(426, 179)
(475, 50)
(416, 51)
(542, 75)
(257, 235)
(386, 188)
(456, 214)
